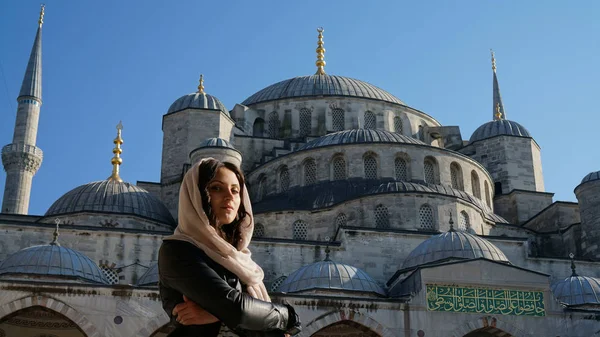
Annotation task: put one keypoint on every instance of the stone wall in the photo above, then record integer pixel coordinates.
(519, 206)
(588, 195)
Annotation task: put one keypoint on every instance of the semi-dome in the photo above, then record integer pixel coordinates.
(55, 261)
(575, 290)
(321, 85)
(110, 196)
(216, 142)
(358, 136)
(591, 177)
(198, 100)
(453, 244)
(497, 128)
(329, 275)
(150, 277)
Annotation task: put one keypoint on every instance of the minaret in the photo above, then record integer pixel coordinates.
(21, 158)
(498, 108)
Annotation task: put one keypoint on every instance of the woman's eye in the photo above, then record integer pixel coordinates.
(215, 188)
(235, 191)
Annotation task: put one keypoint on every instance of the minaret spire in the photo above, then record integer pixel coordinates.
(22, 158)
(320, 53)
(116, 161)
(498, 107)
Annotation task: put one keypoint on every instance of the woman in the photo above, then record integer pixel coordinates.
(206, 264)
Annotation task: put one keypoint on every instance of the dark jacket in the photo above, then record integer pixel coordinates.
(185, 269)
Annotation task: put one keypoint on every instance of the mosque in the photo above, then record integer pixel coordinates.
(372, 219)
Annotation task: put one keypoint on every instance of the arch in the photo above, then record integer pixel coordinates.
(262, 187)
(426, 217)
(259, 230)
(274, 125)
(370, 120)
(398, 125)
(338, 119)
(370, 165)
(305, 122)
(157, 325)
(456, 177)
(284, 179)
(488, 322)
(431, 171)
(258, 129)
(382, 217)
(475, 185)
(300, 230)
(338, 168)
(402, 167)
(337, 316)
(80, 320)
(487, 194)
(310, 172)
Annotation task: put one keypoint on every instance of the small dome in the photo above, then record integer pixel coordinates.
(359, 136)
(329, 275)
(575, 290)
(150, 277)
(591, 177)
(321, 85)
(453, 244)
(497, 128)
(109, 196)
(216, 142)
(197, 100)
(53, 260)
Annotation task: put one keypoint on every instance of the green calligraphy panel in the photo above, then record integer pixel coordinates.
(485, 301)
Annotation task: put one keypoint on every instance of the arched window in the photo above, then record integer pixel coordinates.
(487, 194)
(258, 130)
(475, 185)
(284, 179)
(305, 121)
(262, 187)
(400, 168)
(341, 220)
(310, 172)
(456, 177)
(426, 217)
(300, 230)
(398, 124)
(339, 168)
(338, 119)
(273, 125)
(382, 218)
(370, 165)
(430, 174)
(370, 120)
(278, 281)
(463, 221)
(259, 230)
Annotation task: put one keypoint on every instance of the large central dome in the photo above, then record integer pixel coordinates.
(321, 85)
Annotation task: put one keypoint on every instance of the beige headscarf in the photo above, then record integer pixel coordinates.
(195, 228)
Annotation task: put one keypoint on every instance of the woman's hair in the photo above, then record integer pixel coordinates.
(208, 169)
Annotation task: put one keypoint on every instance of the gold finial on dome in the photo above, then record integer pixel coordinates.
(201, 85)
(116, 159)
(320, 53)
(493, 61)
(41, 20)
(498, 112)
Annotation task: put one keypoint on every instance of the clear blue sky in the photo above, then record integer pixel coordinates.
(129, 60)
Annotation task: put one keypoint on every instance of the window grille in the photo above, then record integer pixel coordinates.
(370, 167)
(300, 230)
(455, 176)
(111, 274)
(398, 124)
(273, 124)
(463, 223)
(305, 122)
(382, 217)
(275, 285)
(310, 172)
(341, 220)
(284, 180)
(338, 119)
(475, 185)
(339, 168)
(259, 230)
(370, 121)
(426, 217)
(400, 167)
(429, 172)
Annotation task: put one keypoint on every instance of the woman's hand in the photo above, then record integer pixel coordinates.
(190, 313)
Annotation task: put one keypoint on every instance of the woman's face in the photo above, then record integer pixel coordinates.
(224, 191)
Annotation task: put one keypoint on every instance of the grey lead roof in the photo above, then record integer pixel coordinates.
(360, 136)
(197, 100)
(591, 177)
(453, 244)
(52, 260)
(330, 275)
(112, 197)
(32, 82)
(150, 277)
(575, 290)
(321, 85)
(499, 127)
(216, 142)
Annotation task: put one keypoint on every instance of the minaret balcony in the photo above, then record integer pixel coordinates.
(22, 156)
